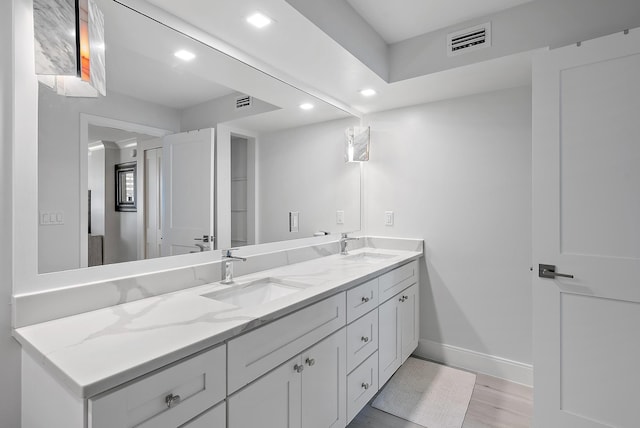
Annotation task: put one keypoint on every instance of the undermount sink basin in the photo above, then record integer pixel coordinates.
(256, 292)
(368, 257)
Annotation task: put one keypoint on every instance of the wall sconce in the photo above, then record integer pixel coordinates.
(69, 46)
(358, 142)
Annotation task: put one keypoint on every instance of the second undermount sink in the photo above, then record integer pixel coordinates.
(367, 257)
(256, 292)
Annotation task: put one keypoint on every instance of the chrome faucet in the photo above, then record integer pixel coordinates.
(227, 265)
(344, 239)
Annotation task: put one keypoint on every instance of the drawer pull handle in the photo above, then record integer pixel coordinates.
(298, 368)
(365, 339)
(401, 299)
(365, 299)
(365, 385)
(172, 400)
(310, 361)
(405, 297)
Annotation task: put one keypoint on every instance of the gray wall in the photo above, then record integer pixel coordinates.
(303, 169)
(457, 173)
(9, 349)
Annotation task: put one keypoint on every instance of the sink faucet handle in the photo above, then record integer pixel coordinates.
(227, 252)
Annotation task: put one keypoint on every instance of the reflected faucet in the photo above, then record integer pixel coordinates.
(344, 238)
(227, 265)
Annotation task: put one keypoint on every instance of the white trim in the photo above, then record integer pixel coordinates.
(223, 182)
(479, 362)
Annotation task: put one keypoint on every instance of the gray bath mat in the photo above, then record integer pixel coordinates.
(427, 394)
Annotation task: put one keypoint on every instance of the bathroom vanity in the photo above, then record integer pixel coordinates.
(302, 345)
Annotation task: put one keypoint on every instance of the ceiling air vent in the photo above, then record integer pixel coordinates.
(469, 39)
(243, 101)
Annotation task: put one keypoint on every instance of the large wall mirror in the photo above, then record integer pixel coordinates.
(223, 155)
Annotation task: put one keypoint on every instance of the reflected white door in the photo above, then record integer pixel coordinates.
(586, 221)
(152, 202)
(187, 181)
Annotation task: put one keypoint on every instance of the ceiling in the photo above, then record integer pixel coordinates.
(141, 64)
(150, 54)
(399, 20)
(295, 50)
(118, 136)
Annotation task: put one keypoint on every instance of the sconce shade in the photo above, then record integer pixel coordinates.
(69, 46)
(358, 142)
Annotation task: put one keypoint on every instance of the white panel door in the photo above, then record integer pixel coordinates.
(324, 383)
(188, 187)
(586, 222)
(271, 401)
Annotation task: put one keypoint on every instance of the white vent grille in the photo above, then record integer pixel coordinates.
(243, 101)
(469, 39)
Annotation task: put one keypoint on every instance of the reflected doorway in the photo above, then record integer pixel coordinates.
(242, 191)
(114, 233)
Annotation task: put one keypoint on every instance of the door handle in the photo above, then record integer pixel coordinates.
(549, 271)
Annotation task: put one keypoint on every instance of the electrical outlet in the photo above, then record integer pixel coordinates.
(388, 218)
(339, 217)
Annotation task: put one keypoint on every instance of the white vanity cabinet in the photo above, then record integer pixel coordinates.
(168, 398)
(398, 331)
(316, 367)
(307, 391)
(262, 349)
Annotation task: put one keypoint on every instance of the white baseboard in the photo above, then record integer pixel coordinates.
(513, 371)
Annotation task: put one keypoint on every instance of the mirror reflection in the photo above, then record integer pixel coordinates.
(219, 155)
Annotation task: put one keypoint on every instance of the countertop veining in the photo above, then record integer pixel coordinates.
(95, 351)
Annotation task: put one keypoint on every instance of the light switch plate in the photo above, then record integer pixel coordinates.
(294, 217)
(51, 218)
(388, 218)
(339, 217)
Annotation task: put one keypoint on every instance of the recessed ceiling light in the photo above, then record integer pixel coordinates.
(368, 92)
(306, 106)
(259, 20)
(185, 55)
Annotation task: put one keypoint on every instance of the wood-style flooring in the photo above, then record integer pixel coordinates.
(495, 403)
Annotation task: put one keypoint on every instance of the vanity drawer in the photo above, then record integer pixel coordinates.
(265, 348)
(362, 339)
(362, 299)
(362, 385)
(199, 381)
(397, 280)
(212, 418)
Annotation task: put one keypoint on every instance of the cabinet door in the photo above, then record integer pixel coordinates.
(389, 346)
(271, 401)
(409, 324)
(324, 383)
(212, 418)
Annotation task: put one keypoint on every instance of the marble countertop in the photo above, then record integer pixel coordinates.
(95, 351)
